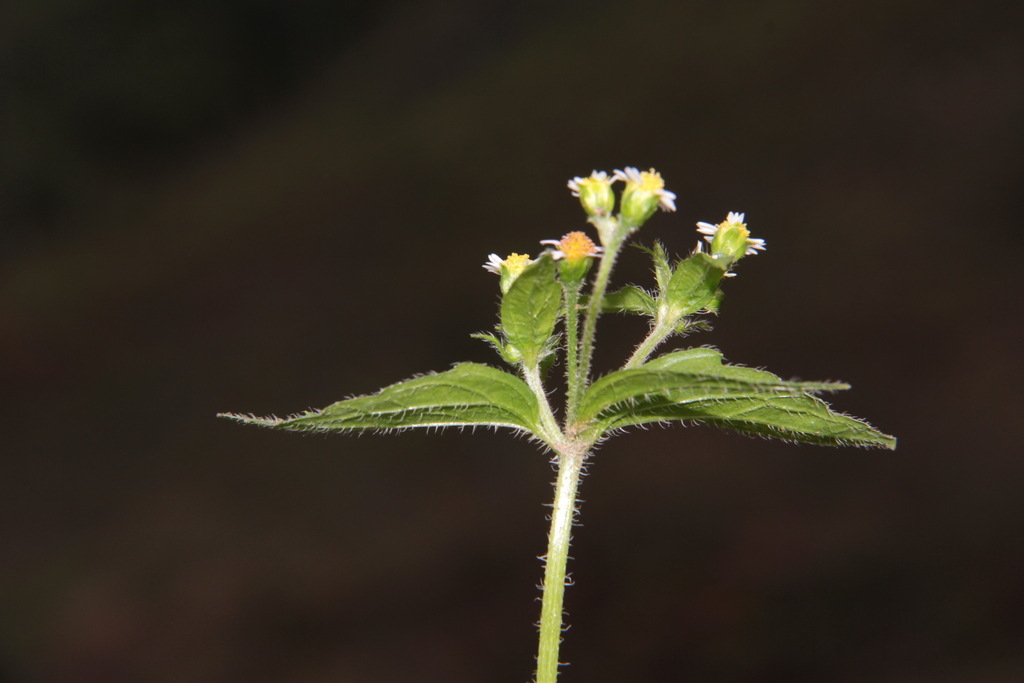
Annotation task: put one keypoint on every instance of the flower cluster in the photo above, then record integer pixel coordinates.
(644, 193)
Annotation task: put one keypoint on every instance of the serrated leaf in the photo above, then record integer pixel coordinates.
(793, 418)
(530, 309)
(694, 385)
(697, 371)
(693, 284)
(469, 394)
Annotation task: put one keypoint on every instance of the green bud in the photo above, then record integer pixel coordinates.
(730, 240)
(572, 273)
(645, 192)
(595, 193)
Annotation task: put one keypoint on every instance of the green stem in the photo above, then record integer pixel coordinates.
(658, 334)
(552, 435)
(570, 462)
(611, 252)
(572, 333)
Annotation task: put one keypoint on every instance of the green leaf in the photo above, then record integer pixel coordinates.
(530, 309)
(699, 371)
(693, 284)
(469, 394)
(507, 354)
(628, 300)
(694, 385)
(662, 269)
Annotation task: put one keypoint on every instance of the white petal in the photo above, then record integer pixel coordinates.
(707, 229)
(494, 264)
(629, 175)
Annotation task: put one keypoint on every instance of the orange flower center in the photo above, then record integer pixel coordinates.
(577, 246)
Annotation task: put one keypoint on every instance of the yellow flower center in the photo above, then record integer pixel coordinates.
(593, 182)
(651, 181)
(741, 227)
(516, 263)
(577, 246)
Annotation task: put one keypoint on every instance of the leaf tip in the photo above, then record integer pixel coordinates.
(271, 421)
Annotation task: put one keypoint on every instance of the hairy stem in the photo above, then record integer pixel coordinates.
(570, 462)
(611, 252)
(552, 435)
(572, 341)
(658, 334)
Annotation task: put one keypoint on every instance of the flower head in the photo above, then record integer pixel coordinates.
(576, 253)
(730, 239)
(509, 268)
(573, 247)
(595, 193)
(645, 192)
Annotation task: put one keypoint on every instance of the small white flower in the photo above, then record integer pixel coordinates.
(576, 183)
(650, 182)
(725, 230)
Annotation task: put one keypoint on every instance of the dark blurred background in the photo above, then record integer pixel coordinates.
(266, 206)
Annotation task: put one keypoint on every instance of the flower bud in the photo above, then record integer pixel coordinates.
(595, 193)
(645, 192)
(730, 240)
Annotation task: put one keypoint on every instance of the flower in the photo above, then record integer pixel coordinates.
(574, 247)
(645, 191)
(730, 239)
(595, 193)
(575, 253)
(509, 268)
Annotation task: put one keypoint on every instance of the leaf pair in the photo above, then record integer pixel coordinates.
(690, 386)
